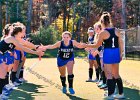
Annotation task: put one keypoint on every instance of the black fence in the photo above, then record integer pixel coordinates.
(132, 43)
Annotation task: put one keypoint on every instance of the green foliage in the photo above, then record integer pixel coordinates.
(46, 36)
(53, 53)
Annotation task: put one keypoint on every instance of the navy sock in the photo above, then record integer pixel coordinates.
(63, 81)
(120, 85)
(90, 73)
(70, 80)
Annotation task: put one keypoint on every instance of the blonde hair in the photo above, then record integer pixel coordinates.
(98, 24)
(19, 24)
(67, 32)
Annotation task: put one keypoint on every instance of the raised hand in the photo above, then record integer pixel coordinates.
(42, 48)
(87, 49)
(40, 54)
(94, 53)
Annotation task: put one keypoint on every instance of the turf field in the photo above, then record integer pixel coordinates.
(44, 83)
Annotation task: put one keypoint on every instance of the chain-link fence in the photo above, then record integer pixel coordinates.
(132, 43)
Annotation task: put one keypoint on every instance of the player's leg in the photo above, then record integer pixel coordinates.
(70, 76)
(90, 71)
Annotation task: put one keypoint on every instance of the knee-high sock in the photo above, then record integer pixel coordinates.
(63, 81)
(21, 72)
(70, 80)
(13, 76)
(111, 86)
(90, 73)
(120, 85)
(97, 73)
(104, 77)
(1, 85)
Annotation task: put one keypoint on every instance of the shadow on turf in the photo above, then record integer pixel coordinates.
(27, 91)
(73, 97)
(131, 94)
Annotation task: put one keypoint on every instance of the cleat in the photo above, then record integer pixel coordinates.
(64, 90)
(119, 96)
(71, 90)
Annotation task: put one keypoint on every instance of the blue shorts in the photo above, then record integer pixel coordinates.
(18, 54)
(9, 58)
(91, 57)
(25, 54)
(61, 62)
(111, 56)
(1, 58)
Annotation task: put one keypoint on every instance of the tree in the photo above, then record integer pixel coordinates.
(30, 4)
(0, 18)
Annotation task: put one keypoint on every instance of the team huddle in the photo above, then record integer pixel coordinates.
(105, 49)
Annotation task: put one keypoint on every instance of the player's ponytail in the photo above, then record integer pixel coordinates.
(106, 19)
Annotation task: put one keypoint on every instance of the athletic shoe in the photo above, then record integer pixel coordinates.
(3, 97)
(115, 92)
(9, 87)
(110, 97)
(89, 80)
(16, 83)
(103, 86)
(99, 81)
(13, 86)
(100, 84)
(71, 90)
(119, 96)
(64, 89)
(22, 80)
(96, 80)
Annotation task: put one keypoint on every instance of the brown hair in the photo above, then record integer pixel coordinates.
(67, 32)
(16, 29)
(106, 19)
(6, 29)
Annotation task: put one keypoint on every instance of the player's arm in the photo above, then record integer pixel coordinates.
(22, 48)
(28, 44)
(78, 45)
(98, 43)
(56, 45)
(121, 43)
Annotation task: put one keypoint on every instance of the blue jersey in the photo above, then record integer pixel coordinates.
(112, 41)
(91, 41)
(4, 55)
(65, 54)
(4, 47)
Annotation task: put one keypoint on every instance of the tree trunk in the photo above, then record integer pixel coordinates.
(46, 22)
(29, 17)
(68, 18)
(0, 18)
(6, 14)
(64, 16)
(73, 34)
(17, 4)
(124, 14)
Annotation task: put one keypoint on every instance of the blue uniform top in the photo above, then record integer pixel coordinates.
(91, 40)
(66, 52)
(112, 41)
